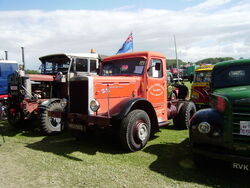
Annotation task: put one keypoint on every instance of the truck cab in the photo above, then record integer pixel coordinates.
(223, 130)
(7, 68)
(32, 95)
(129, 95)
(200, 89)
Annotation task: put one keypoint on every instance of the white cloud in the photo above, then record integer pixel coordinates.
(208, 4)
(199, 35)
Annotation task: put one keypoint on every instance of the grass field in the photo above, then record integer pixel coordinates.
(28, 159)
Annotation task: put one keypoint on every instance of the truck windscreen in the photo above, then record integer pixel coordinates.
(202, 76)
(132, 66)
(54, 65)
(231, 76)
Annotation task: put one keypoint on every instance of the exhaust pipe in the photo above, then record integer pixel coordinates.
(21, 71)
(6, 55)
(23, 58)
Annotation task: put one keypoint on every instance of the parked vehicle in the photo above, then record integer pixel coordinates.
(129, 95)
(7, 67)
(32, 95)
(174, 72)
(200, 89)
(223, 131)
(188, 73)
(176, 88)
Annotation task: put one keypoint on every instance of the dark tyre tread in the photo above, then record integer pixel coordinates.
(181, 121)
(45, 123)
(128, 124)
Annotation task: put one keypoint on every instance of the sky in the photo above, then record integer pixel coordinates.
(202, 28)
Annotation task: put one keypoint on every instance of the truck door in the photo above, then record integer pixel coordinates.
(156, 88)
(94, 66)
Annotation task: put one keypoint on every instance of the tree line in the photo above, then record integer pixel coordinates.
(172, 62)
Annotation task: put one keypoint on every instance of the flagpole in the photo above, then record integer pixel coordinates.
(177, 63)
(132, 42)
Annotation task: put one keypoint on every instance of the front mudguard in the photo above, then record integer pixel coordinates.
(215, 119)
(137, 103)
(46, 103)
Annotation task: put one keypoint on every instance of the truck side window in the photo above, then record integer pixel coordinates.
(82, 65)
(153, 72)
(93, 65)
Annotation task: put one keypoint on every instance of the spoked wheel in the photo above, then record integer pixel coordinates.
(135, 130)
(51, 124)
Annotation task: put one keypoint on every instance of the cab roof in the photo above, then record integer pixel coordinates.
(7, 61)
(70, 55)
(232, 62)
(204, 68)
(144, 54)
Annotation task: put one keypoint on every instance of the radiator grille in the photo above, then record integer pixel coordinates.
(240, 113)
(78, 92)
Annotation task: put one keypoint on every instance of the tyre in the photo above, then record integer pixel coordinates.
(15, 119)
(182, 120)
(50, 124)
(135, 130)
(183, 92)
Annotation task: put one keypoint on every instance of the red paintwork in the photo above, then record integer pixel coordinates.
(174, 71)
(41, 77)
(123, 88)
(3, 96)
(12, 111)
(31, 105)
(204, 94)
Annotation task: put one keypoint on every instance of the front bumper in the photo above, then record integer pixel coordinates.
(82, 119)
(236, 161)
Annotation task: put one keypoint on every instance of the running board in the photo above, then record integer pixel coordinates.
(164, 123)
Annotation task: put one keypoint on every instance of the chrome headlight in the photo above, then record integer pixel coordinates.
(204, 127)
(94, 105)
(63, 102)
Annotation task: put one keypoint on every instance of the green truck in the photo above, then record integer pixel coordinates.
(188, 73)
(222, 132)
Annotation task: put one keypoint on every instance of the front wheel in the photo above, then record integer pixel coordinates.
(135, 130)
(50, 124)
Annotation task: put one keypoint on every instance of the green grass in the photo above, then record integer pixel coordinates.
(28, 159)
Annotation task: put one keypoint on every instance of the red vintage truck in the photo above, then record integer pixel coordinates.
(130, 95)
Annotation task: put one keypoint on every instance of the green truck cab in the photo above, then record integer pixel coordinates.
(223, 131)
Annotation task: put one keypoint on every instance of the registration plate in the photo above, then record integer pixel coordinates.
(240, 166)
(245, 128)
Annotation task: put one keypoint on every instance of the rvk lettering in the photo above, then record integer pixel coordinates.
(240, 166)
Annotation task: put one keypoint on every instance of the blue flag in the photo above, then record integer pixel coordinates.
(127, 45)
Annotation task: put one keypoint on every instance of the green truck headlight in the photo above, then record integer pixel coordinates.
(204, 127)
